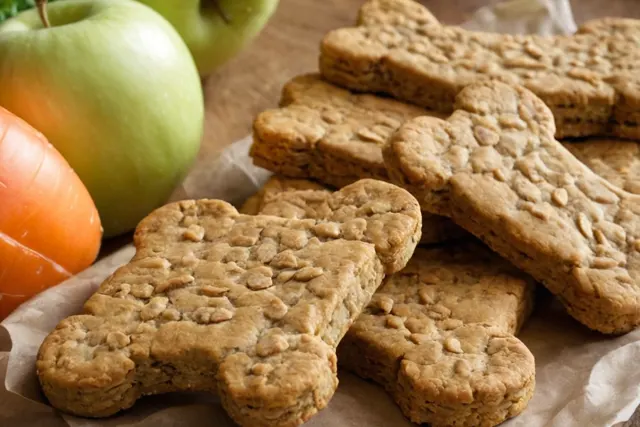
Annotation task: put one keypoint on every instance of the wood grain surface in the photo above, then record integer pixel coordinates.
(289, 46)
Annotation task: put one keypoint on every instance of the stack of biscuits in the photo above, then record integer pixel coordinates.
(426, 181)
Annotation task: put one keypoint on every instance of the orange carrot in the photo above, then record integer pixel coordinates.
(49, 225)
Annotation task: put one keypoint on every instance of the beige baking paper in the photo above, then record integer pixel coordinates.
(583, 379)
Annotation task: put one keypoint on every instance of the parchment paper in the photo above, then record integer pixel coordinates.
(583, 378)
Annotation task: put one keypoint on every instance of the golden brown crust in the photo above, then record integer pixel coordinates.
(495, 168)
(248, 307)
(589, 80)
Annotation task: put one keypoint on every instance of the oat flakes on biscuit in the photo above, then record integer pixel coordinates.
(331, 135)
(248, 307)
(439, 337)
(617, 161)
(495, 168)
(590, 80)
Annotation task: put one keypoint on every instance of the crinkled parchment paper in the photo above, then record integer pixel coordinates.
(583, 378)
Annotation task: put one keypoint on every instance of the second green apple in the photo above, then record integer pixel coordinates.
(114, 88)
(215, 30)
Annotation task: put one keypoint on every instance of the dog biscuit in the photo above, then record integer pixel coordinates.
(495, 168)
(248, 307)
(331, 135)
(438, 335)
(590, 80)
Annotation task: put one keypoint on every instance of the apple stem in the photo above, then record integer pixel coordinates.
(221, 12)
(42, 11)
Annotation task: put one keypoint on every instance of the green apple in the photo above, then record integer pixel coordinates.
(114, 88)
(215, 30)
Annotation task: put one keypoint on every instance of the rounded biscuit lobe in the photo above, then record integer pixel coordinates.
(416, 159)
(210, 289)
(72, 368)
(490, 381)
(529, 199)
(439, 337)
(292, 383)
(388, 212)
(588, 79)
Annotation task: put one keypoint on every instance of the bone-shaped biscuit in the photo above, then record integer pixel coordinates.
(590, 80)
(311, 198)
(248, 307)
(495, 168)
(329, 134)
(438, 335)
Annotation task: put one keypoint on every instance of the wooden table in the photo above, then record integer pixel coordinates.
(289, 46)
